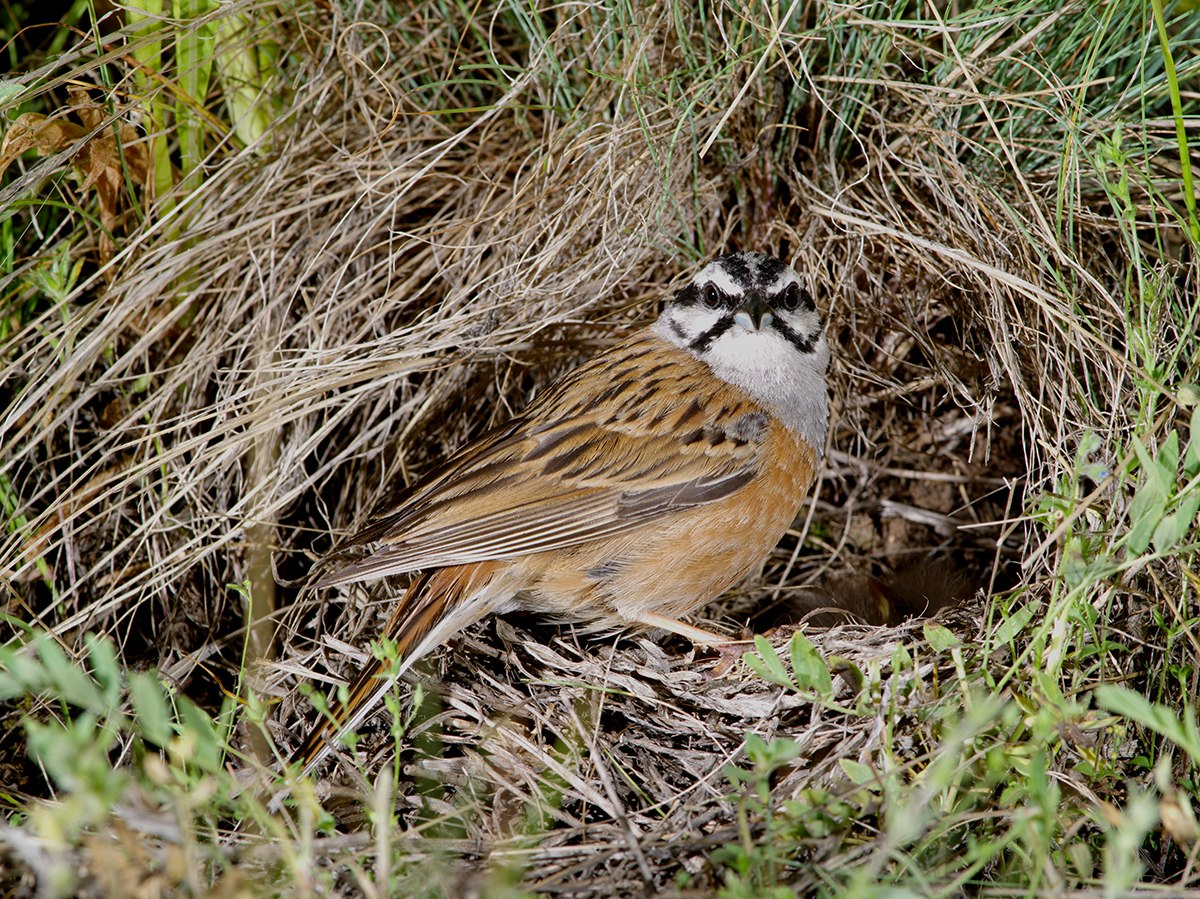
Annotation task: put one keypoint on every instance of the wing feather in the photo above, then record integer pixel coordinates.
(579, 464)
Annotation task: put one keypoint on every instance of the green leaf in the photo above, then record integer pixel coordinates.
(809, 668)
(1191, 459)
(147, 16)
(765, 662)
(21, 673)
(940, 637)
(150, 708)
(102, 658)
(767, 757)
(861, 775)
(67, 679)
(1074, 563)
(1168, 460)
(1182, 731)
(840, 665)
(239, 67)
(232, 707)
(207, 753)
(1176, 526)
(1147, 508)
(1013, 623)
(1153, 471)
(10, 88)
(194, 62)
(1088, 444)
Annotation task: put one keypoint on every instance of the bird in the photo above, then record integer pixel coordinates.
(635, 489)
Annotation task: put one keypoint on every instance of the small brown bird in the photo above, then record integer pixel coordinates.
(632, 491)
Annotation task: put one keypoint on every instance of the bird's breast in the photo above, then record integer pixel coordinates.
(674, 565)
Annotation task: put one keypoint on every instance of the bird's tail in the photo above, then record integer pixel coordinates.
(437, 605)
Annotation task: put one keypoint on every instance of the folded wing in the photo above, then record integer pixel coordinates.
(547, 481)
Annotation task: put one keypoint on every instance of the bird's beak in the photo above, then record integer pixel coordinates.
(753, 315)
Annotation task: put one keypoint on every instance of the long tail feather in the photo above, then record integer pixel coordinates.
(434, 608)
(341, 718)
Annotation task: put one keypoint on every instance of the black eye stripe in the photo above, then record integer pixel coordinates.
(695, 295)
(802, 343)
(702, 342)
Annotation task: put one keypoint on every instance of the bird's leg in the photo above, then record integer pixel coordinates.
(729, 650)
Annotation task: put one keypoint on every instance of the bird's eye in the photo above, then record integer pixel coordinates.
(790, 299)
(711, 297)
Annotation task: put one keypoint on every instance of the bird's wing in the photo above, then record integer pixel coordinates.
(639, 433)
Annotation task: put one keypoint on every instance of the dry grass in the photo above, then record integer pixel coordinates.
(448, 211)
